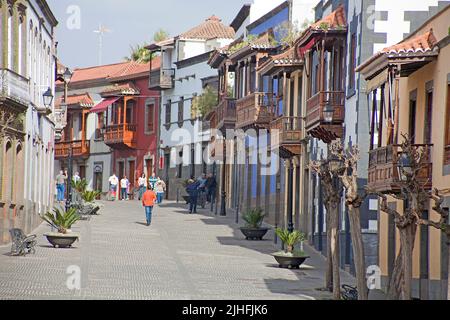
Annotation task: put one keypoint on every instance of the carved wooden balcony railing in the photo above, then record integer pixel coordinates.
(226, 114)
(384, 171)
(256, 109)
(316, 125)
(80, 149)
(121, 136)
(162, 80)
(286, 133)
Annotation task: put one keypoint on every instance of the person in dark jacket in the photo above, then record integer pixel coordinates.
(211, 185)
(192, 190)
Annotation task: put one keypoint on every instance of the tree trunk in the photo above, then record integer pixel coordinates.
(334, 236)
(396, 279)
(401, 279)
(358, 252)
(329, 270)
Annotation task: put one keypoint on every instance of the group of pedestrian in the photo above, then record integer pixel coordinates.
(204, 186)
(154, 183)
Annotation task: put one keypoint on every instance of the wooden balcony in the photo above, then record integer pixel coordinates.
(120, 136)
(316, 126)
(255, 110)
(226, 114)
(286, 133)
(80, 149)
(384, 170)
(162, 80)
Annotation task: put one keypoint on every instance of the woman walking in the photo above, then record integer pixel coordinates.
(142, 185)
(192, 190)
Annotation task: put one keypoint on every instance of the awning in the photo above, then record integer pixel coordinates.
(103, 106)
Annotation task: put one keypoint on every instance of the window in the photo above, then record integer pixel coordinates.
(412, 120)
(352, 63)
(168, 112)
(150, 117)
(180, 166)
(428, 116)
(181, 110)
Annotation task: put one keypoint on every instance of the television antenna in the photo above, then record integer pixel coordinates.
(101, 32)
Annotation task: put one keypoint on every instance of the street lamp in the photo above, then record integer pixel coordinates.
(223, 210)
(48, 97)
(67, 76)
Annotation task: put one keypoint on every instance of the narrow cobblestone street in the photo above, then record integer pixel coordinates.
(179, 257)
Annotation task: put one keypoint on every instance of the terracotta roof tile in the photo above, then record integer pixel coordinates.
(124, 88)
(211, 28)
(334, 20)
(82, 100)
(122, 69)
(422, 43)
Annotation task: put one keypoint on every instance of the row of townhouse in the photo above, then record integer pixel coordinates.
(27, 131)
(109, 123)
(309, 93)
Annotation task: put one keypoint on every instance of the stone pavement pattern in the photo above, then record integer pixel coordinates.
(180, 256)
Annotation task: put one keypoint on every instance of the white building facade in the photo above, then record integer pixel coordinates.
(27, 68)
(184, 74)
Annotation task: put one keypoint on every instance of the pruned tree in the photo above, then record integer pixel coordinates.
(349, 177)
(331, 197)
(442, 224)
(415, 197)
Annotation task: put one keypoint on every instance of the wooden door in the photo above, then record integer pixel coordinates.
(132, 166)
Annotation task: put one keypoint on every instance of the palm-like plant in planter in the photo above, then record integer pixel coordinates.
(87, 206)
(253, 220)
(290, 258)
(62, 221)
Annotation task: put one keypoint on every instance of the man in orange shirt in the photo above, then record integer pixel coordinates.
(148, 201)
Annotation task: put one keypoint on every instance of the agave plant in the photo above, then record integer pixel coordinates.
(61, 220)
(80, 186)
(253, 218)
(290, 239)
(90, 196)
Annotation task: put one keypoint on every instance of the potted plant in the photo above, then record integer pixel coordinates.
(290, 258)
(62, 221)
(87, 205)
(253, 220)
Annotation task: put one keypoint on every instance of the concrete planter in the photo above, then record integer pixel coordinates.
(254, 234)
(289, 261)
(59, 240)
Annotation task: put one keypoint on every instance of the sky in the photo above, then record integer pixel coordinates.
(130, 22)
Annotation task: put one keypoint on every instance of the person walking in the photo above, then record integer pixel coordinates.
(148, 201)
(113, 182)
(142, 185)
(160, 188)
(152, 181)
(124, 188)
(211, 187)
(192, 189)
(76, 177)
(61, 185)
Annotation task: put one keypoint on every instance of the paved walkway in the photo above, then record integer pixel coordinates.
(180, 256)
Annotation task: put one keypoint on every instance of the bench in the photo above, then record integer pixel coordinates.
(21, 243)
